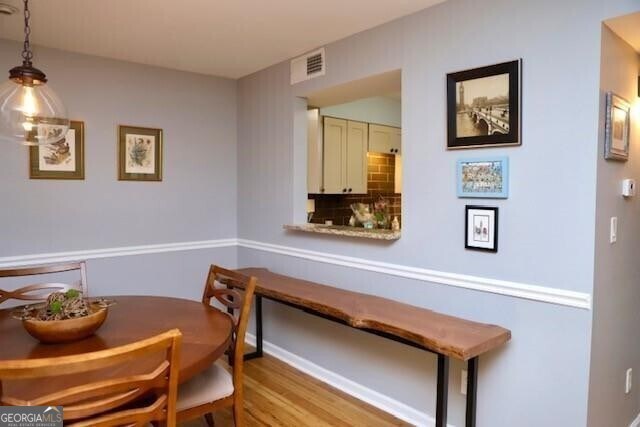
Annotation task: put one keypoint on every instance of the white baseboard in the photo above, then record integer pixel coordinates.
(635, 422)
(385, 403)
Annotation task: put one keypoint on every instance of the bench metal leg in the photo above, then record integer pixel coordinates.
(472, 391)
(258, 352)
(442, 391)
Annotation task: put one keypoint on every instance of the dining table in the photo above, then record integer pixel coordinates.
(206, 335)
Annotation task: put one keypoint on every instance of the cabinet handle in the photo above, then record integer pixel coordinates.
(349, 190)
(391, 150)
(344, 190)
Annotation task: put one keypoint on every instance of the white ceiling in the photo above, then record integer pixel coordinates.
(628, 28)
(229, 38)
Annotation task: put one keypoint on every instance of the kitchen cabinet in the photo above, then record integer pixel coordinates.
(385, 139)
(345, 145)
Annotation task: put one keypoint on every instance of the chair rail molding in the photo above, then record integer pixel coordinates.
(503, 287)
(49, 258)
(483, 284)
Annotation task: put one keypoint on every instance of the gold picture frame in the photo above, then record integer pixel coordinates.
(62, 160)
(139, 153)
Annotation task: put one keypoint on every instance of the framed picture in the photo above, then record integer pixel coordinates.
(139, 154)
(61, 160)
(483, 106)
(617, 125)
(486, 178)
(481, 228)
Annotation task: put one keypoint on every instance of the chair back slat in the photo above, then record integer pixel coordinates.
(99, 401)
(237, 302)
(40, 291)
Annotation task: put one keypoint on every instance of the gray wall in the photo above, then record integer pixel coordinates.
(617, 272)
(547, 232)
(195, 201)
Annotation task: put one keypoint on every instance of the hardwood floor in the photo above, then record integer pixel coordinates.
(278, 395)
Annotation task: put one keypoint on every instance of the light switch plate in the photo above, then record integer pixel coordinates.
(613, 236)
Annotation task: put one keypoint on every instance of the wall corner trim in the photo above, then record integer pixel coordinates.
(514, 289)
(635, 422)
(383, 402)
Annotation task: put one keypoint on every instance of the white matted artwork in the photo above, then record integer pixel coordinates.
(140, 154)
(481, 228)
(59, 156)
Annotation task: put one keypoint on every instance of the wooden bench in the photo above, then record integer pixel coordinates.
(444, 335)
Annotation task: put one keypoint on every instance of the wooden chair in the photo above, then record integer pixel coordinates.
(100, 403)
(40, 291)
(216, 388)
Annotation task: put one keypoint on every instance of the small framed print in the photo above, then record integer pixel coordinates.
(481, 228)
(617, 125)
(486, 178)
(483, 106)
(139, 154)
(61, 160)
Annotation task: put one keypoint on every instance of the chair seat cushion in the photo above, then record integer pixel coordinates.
(206, 387)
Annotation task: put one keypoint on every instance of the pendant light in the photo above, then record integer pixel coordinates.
(30, 111)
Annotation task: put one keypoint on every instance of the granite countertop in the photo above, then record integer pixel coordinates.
(344, 230)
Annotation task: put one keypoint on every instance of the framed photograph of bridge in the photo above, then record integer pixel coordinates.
(483, 106)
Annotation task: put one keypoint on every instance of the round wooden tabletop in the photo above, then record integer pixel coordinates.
(206, 332)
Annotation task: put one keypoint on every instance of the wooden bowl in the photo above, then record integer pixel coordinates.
(60, 331)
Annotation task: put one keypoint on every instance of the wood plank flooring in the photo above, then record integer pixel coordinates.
(277, 394)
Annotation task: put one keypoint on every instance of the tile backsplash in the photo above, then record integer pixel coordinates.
(380, 182)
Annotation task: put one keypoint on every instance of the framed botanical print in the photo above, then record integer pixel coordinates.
(617, 126)
(481, 228)
(483, 106)
(139, 154)
(486, 178)
(61, 160)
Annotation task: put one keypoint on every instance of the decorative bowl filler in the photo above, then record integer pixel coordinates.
(64, 317)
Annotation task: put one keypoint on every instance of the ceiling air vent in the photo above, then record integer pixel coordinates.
(308, 66)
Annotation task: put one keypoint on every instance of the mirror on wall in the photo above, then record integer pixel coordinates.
(354, 155)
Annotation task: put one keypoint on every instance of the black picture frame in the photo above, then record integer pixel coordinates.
(491, 210)
(496, 136)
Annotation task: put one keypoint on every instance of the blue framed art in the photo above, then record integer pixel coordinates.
(486, 178)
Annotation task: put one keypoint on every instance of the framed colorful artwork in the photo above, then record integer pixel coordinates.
(61, 160)
(139, 154)
(486, 178)
(481, 228)
(483, 106)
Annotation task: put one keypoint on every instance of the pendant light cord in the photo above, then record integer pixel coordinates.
(27, 55)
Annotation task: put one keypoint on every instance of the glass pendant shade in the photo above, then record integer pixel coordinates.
(31, 113)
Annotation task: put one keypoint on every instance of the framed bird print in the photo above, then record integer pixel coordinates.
(61, 160)
(139, 154)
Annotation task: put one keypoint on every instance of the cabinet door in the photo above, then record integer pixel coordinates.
(357, 142)
(396, 140)
(379, 139)
(335, 152)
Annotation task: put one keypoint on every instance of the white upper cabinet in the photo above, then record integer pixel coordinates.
(335, 156)
(385, 139)
(357, 142)
(345, 157)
